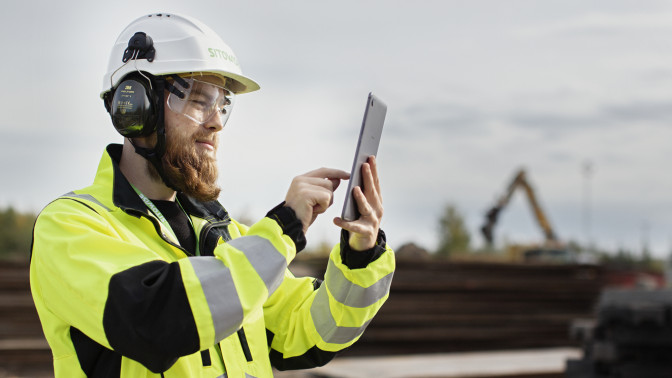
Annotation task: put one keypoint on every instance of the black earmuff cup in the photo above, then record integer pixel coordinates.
(133, 107)
(130, 108)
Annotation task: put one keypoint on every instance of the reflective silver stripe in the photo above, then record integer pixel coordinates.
(249, 376)
(87, 197)
(221, 294)
(351, 294)
(326, 324)
(267, 261)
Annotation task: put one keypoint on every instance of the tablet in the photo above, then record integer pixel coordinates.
(369, 139)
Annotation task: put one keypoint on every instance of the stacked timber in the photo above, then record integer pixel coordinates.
(23, 349)
(435, 306)
(438, 306)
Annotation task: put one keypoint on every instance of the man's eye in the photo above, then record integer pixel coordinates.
(222, 107)
(198, 103)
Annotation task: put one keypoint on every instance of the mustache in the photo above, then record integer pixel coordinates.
(206, 136)
(212, 140)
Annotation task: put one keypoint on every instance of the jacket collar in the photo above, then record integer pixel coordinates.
(125, 197)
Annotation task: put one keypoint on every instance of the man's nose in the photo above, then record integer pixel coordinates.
(214, 122)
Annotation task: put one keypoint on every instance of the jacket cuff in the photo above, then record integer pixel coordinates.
(290, 224)
(361, 259)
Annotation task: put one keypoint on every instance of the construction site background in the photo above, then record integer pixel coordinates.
(462, 301)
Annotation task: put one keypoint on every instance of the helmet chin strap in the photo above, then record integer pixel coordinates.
(155, 154)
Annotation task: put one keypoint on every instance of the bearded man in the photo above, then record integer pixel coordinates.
(145, 274)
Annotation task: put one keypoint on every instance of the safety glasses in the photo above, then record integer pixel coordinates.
(199, 100)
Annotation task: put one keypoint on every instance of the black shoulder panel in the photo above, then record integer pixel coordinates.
(147, 315)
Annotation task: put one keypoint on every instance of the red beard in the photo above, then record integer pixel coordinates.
(189, 171)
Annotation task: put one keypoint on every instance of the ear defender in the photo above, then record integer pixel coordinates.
(132, 108)
(135, 106)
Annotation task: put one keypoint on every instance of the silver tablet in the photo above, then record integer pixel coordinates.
(369, 138)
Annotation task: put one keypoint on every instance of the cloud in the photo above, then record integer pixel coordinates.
(434, 123)
(552, 121)
(658, 111)
(558, 122)
(600, 24)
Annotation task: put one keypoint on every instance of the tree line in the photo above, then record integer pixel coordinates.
(455, 240)
(16, 230)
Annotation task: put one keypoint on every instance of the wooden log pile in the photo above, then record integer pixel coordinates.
(441, 307)
(23, 348)
(434, 307)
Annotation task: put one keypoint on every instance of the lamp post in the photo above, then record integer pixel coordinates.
(587, 170)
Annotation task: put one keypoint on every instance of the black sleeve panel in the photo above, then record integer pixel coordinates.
(314, 357)
(290, 224)
(147, 315)
(95, 360)
(361, 259)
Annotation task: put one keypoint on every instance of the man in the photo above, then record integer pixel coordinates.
(145, 274)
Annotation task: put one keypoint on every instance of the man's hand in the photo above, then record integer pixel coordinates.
(312, 193)
(364, 230)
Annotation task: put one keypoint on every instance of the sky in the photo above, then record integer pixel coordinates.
(476, 90)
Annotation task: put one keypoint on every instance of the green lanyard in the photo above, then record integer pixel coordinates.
(155, 210)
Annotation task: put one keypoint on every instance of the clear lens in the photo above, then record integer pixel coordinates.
(201, 101)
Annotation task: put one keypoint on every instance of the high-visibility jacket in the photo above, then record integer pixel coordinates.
(117, 296)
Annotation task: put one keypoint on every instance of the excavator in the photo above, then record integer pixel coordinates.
(550, 250)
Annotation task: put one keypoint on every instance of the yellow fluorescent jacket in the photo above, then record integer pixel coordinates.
(115, 294)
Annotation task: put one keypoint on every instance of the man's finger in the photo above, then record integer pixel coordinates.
(367, 176)
(335, 183)
(374, 171)
(363, 204)
(321, 182)
(329, 173)
(322, 201)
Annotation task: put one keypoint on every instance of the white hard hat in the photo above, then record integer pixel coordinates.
(182, 45)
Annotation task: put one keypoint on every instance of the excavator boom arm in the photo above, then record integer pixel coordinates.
(493, 214)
